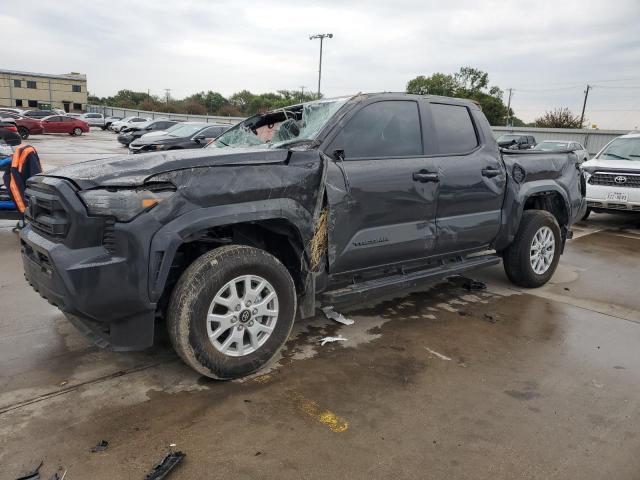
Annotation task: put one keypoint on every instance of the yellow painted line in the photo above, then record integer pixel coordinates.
(326, 417)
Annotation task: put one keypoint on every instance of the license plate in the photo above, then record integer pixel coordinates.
(616, 197)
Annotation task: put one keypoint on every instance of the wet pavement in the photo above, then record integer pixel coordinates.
(439, 383)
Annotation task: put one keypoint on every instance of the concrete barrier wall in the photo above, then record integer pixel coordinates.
(593, 140)
(128, 112)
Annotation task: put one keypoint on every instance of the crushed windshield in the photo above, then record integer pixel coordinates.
(622, 149)
(281, 127)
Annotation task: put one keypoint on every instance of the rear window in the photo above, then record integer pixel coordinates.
(454, 128)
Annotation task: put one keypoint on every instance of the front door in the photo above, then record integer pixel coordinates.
(381, 188)
(471, 178)
(52, 125)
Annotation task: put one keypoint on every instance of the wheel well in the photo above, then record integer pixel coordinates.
(277, 236)
(550, 201)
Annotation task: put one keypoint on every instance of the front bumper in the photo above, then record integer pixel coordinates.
(101, 286)
(597, 197)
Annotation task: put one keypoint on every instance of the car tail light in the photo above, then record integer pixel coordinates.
(11, 129)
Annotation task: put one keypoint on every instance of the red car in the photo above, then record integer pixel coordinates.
(63, 124)
(26, 126)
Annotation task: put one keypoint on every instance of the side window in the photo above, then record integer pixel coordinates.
(55, 119)
(17, 83)
(33, 103)
(454, 128)
(76, 88)
(383, 129)
(531, 140)
(211, 132)
(31, 84)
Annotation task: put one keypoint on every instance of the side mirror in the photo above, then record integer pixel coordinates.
(199, 138)
(338, 155)
(148, 128)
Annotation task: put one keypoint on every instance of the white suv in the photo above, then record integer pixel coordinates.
(613, 176)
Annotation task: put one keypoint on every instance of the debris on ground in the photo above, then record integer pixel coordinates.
(162, 469)
(101, 446)
(474, 285)
(490, 318)
(331, 314)
(439, 355)
(326, 340)
(33, 474)
(319, 242)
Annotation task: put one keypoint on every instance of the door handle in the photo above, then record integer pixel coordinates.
(490, 172)
(424, 176)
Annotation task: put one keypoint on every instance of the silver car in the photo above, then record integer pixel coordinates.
(93, 119)
(563, 146)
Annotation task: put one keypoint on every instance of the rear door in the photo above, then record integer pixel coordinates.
(471, 179)
(381, 194)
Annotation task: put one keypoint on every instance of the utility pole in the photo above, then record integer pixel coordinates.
(584, 105)
(509, 105)
(321, 36)
(302, 87)
(167, 94)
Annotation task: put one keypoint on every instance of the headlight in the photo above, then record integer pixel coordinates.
(124, 205)
(587, 175)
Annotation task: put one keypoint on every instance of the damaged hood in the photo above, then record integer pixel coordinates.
(132, 170)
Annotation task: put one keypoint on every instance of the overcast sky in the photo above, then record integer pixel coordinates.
(546, 50)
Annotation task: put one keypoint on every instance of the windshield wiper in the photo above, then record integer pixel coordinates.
(616, 156)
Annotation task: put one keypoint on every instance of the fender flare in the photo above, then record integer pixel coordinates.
(167, 240)
(515, 202)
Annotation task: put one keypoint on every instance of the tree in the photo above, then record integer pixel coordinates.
(468, 82)
(558, 118)
(436, 84)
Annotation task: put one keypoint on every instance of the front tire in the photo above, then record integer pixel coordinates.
(24, 132)
(231, 311)
(532, 258)
(77, 131)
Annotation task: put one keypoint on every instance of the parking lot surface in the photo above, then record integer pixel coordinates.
(436, 383)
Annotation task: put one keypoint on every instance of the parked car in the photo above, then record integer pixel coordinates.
(185, 135)
(125, 122)
(516, 142)
(138, 130)
(93, 119)
(74, 115)
(37, 113)
(563, 146)
(9, 133)
(613, 176)
(17, 111)
(109, 120)
(64, 124)
(26, 126)
(225, 242)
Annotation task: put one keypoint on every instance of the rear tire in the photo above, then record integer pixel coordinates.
(238, 344)
(24, 132)
(533, 256)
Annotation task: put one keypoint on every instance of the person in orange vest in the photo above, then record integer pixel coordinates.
(24, 164)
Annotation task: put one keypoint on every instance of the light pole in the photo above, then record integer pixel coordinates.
(321, 36)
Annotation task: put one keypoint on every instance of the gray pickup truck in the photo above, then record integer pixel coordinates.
(315, 204)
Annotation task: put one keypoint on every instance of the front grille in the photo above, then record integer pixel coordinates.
(46, 213)
(613, 206)
(108, 235)
(609, 179)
